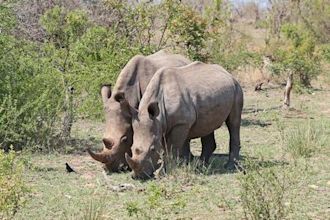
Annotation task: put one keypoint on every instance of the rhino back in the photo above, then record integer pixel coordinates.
(212, 91)
(198, 94)
(136, 75)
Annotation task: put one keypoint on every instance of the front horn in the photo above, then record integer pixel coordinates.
(131, 163)
(102, 157)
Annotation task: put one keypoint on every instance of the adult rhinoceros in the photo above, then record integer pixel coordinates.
(180, 104)
(132, 81)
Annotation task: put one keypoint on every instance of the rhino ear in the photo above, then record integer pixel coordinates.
(153, 110)
(105, 93)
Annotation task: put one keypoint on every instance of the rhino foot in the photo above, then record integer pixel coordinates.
(230, 165)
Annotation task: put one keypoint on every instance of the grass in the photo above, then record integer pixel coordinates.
(267, 135)
(270, 193)
(305, 139)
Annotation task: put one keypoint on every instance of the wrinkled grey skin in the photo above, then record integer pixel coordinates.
(132, 81)
(180, 104)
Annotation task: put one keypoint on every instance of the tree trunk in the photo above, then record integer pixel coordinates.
(287, 92)
(68, 114)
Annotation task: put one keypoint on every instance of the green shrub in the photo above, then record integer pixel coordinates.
(12, 186)
(268, 193)
(29, 95)
(297, 55)
(187, 28)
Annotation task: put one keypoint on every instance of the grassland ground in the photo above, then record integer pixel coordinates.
(184, 194)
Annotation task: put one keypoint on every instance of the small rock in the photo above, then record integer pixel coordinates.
(313, 186)
(122, 187)
(328, 183)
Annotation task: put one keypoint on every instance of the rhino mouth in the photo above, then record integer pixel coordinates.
(110, 161)
(142, 169)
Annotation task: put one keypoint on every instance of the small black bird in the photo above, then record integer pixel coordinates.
(68, 168)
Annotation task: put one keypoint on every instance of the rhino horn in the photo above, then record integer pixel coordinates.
(132, 164)
(102, 157)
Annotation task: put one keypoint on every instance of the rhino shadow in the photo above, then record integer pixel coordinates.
(257, 122)
(217, 162)
(256, 110)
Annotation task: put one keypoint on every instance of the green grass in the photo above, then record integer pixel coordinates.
(185, 194)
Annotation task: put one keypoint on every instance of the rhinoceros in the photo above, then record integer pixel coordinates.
(179, 104)
(132, 81)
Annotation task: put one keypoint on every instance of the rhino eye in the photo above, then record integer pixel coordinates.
(152, 148)
(123, 138)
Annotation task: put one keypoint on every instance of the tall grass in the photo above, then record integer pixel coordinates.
(304, 139)
(269, 193)
(94, 210)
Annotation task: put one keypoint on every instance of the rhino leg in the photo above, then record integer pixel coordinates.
(233, 123)
(186, 153)
(208, 147)
(176, 141)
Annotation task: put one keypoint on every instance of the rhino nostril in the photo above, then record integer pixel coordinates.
(108, 143)
(138, 151)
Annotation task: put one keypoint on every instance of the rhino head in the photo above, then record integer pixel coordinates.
(118, 136)
(147, 142)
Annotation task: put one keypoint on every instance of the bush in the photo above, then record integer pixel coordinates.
(268, 193)
(29, 95)
(12, 186)
(298, 55)
(187, 28)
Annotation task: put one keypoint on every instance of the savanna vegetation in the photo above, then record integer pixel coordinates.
(54, 55)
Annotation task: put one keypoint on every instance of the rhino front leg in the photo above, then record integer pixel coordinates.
(208, 147)
(177, 143)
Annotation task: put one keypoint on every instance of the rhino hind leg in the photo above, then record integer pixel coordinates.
(208, 147)
(186, 154)
(233, 123)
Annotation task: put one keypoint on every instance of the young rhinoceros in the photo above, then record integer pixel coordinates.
(180, 104)
(132, 81)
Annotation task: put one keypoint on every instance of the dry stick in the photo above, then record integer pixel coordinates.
(288, 87)
(163, 32)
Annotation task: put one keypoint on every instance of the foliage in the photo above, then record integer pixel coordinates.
(28, 95)
(101, 56)
(187, 27)
(226, 46)
(12, 186)
(325, 51)
(268, 193)
(8, 20)
(314, 15)
(298, 57)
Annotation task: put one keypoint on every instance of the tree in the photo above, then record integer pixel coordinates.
(64, 29)
(28, 92)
